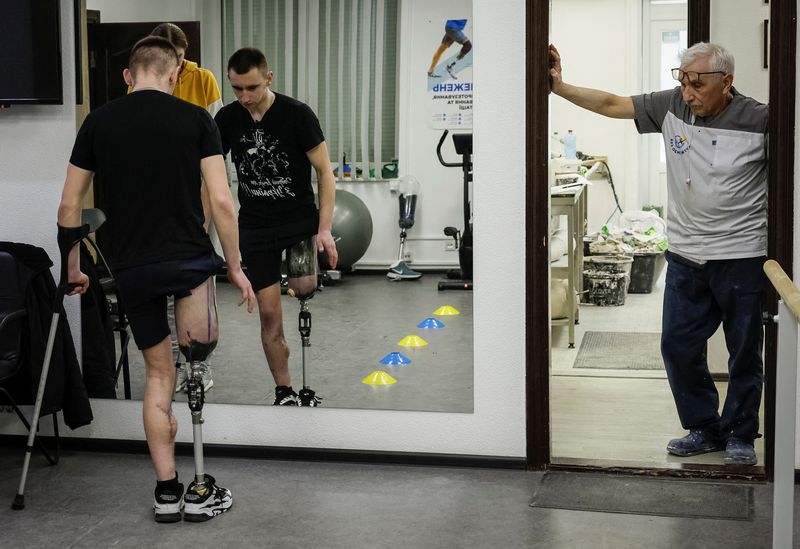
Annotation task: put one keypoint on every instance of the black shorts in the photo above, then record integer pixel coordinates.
(144, 291)
(262, 248)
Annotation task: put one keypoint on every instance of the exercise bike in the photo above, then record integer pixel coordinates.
(461, 278)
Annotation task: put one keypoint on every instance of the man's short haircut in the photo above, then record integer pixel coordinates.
(173, 33)
(245, 59)
(153, 54)
(719, 59)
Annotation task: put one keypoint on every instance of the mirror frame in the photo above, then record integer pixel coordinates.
(783, 15)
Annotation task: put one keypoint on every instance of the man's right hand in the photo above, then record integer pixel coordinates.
(240, 280)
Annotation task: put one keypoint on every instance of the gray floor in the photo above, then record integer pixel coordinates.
(355, 322)
(104, 500)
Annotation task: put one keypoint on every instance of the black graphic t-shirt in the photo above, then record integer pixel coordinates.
(145, 148)
(270, 156)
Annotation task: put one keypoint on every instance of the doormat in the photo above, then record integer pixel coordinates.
(644, 496)
(620, 351)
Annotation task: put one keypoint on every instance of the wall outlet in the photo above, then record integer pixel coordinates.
(407, 256)
(450, 247)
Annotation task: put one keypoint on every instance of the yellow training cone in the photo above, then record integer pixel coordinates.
(446, 310)
(412, 341)
(379, 377)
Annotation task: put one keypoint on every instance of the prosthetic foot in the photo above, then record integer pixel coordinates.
(203, 499)
(301, 260)
(409, 191)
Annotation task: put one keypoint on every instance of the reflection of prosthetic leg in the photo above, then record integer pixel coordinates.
(409, 191)
(301, 262)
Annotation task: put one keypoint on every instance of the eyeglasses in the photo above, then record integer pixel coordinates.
(692, 76)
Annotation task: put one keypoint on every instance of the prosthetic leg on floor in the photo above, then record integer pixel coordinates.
(198, 330)
(195, 353)
(409, 191)
(301, 264)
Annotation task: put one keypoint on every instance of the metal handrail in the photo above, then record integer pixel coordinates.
(789, 293)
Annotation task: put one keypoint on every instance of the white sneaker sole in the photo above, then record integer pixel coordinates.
(168, 512)
(215, 505)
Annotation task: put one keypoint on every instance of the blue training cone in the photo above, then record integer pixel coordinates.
(430, 323)
(395, 359)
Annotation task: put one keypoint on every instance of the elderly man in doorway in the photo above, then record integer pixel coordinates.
(716, 147)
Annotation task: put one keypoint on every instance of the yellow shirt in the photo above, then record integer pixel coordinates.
(198, 86)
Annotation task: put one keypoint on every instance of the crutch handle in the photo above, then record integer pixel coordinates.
(68, 238)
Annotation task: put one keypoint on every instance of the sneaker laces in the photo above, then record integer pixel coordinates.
(205, 373)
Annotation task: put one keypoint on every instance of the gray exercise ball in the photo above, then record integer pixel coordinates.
(352, 230)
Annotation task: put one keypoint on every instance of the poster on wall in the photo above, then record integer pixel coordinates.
(449, 81)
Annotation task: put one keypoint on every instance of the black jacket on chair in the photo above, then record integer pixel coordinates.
(97, 335)
(65, 390)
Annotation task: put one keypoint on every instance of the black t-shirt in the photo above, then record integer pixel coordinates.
(146, 148)
(270, 157)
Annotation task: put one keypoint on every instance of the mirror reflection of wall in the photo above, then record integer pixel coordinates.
(361, 71)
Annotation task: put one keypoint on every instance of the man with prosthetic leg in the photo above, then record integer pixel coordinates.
(275, 143)
(151, 150)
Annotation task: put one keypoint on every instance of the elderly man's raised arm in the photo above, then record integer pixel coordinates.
(607, 104)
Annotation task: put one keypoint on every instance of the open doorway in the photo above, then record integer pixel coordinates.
(544, 441)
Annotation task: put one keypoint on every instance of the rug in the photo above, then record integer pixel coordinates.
(644, 496)
(620, 351)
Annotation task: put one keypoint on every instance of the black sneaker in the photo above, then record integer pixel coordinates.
(696, 442)
(285, 396)
(307, 397)
(168, 505)
(205, 501)
(739, 452)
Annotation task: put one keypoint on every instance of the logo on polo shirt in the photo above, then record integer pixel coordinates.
(679, 144)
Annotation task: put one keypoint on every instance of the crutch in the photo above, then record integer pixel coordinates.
(67, 239)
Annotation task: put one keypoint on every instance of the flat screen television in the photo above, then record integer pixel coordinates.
(30, 52)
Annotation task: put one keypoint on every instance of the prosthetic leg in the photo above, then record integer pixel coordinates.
(301, 263)
(197, 323)
(409, 192)
(195, 353)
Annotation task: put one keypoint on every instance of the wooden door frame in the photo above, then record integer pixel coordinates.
(783, 15)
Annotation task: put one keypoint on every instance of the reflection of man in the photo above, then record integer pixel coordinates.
(715, 141)
(274, 141)
(151, 150)
(199, 87)
(453, 32)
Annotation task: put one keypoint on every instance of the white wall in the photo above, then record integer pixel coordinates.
(497, 426)
(740, 31)
(34, 150)
(597, 54)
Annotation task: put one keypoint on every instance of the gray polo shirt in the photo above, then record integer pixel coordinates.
(716, 174)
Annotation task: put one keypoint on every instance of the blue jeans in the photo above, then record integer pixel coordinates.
(696, 300)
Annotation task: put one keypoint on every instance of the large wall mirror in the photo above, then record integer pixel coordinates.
(384, 87)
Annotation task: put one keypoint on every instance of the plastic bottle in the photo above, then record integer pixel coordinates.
(569, 146)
